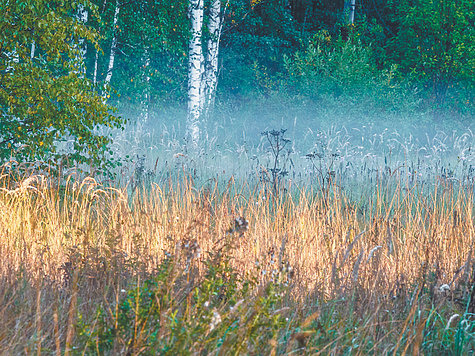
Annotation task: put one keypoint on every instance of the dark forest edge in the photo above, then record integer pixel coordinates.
(65, 65)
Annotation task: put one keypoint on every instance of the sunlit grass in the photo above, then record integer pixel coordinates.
(306, 269)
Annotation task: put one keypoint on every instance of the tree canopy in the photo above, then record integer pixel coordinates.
(56, 65)
(46, 101)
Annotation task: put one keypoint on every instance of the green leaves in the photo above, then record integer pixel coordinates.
(45, 99)
(206, 306)
(434, 44)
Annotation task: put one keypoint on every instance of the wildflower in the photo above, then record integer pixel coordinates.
(215, 320)
(241, 224)
(444, 288)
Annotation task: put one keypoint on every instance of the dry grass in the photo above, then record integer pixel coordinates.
(377, 266)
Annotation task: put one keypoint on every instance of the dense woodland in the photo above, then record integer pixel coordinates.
(65, 65)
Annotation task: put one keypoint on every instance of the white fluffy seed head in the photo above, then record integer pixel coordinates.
(444, 288)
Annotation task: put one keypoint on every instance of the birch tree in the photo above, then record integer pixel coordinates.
(44, 103)
(32, 50)
(349, 10)
(202, 67)
(195, 61)
(82, 16)
(210, 76)
(96, 58)
(110, 67)
(146, 69)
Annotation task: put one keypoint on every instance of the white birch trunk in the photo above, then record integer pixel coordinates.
(211, 70)
(146, 104)
(110, 67)
(352, 11)
(195, 70)
(33, 48)
(350, 6)
(82, 16)
(202, 84)
(96, 64)
(96, 59)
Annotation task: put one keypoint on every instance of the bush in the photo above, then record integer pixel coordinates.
(46, 101)
(434, 48)
(333, 70)
(181, 309)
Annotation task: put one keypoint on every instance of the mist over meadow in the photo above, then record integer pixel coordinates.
(367, 88)
(246, 177)
(140, 81)
(356, 146)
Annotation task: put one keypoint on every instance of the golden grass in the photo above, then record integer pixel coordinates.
(380, 250)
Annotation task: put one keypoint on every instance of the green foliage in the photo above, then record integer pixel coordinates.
(334, 70)
(434, 46)
(184, 311)
(303, 52)
(152, 41)
(45, 100)
(255, 38)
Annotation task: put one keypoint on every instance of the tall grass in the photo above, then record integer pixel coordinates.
(87, 268)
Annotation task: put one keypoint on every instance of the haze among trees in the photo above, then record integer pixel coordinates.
(237, 177)
(65, 65)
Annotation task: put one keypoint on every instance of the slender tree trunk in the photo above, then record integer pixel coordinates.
(195, 70)
(33, 48)
(96, 59)
(211, 68)
(110, 67)
(298, 9)
(82, 16)
(349, 10)
(146, 103)
(202, 84)
(96, 65)
(352, 11)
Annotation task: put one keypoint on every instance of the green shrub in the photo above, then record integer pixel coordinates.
(333, 70)
(46, 101)
(182, 310)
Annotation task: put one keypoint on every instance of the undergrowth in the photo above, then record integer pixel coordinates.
(178, 269)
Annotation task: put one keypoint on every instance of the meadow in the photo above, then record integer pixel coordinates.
(239, 177)
(343, 246)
